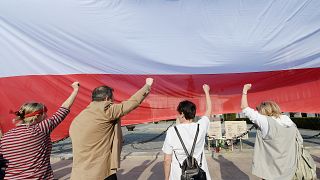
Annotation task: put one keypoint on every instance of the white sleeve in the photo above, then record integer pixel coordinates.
(204, 122)
(257, 119)
(286, 121)
(167, 147)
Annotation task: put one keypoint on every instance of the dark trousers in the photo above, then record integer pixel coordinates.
(112, 177)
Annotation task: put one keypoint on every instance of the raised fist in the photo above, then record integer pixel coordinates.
(149, 81)
(246, 87)
(206, 88)
(75, 85)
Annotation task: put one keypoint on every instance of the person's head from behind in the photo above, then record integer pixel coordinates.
(186, 110)
(31, 113)
(269, 108)
(102, 93)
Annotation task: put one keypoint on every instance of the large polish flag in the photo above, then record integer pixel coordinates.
(45, 45)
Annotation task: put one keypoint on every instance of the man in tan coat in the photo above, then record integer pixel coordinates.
(96, 134)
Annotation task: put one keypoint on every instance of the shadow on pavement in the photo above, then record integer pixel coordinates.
(226, 166)
(62, 168)
(137, 171)
(157, 171)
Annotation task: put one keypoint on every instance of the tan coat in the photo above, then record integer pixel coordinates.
(96, 137)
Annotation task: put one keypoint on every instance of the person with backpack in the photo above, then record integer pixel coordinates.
(278, 143)
(183, 147)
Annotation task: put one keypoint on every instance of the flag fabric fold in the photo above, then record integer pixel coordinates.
(45, 46)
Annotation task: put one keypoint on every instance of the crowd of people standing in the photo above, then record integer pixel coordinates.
(97, 138)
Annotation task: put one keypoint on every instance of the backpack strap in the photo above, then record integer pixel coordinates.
(200, 165)
(201, 159)
(184, 147)
(177, 158)
(194, 141)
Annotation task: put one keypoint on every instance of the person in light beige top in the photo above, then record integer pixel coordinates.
(275, 152)
(96, 134)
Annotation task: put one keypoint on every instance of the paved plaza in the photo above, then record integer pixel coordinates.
(142, 156)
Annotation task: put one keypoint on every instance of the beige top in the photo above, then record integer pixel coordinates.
(275, 155)
(97, 137)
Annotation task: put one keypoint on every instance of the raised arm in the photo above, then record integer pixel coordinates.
(206, 90)
(118, 110)
(244, 99)
(49, 124)
(68, 102)
(253, 115)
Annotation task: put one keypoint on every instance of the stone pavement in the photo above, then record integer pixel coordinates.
(142, 156)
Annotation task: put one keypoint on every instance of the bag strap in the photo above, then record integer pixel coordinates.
(184, 147)
(177, 158)
(181, 165)
(201, 159)
(194, 141)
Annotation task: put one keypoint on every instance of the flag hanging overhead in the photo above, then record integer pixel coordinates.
(46, 45)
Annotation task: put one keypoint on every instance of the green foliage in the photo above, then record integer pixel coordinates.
(301, 122)
(220, 143)
(244, 119)
(307, 122)
(230, 117)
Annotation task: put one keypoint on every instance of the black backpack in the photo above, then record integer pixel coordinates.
(190, 168)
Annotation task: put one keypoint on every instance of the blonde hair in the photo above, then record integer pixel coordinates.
(28, 108)
(269, 108)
